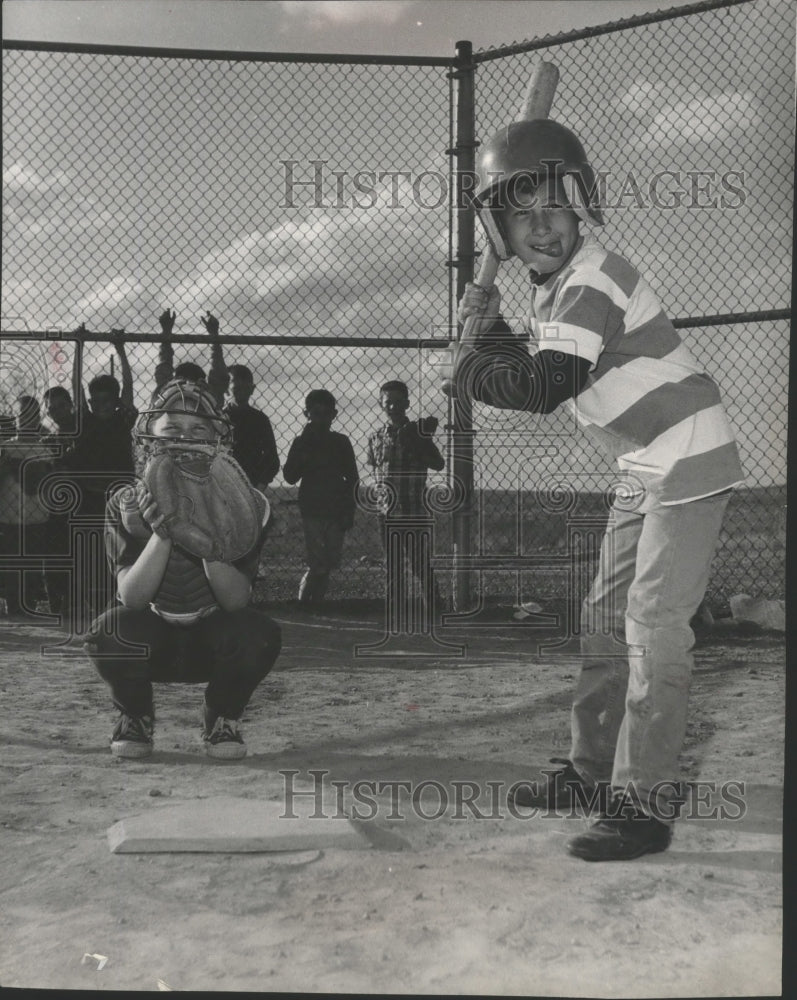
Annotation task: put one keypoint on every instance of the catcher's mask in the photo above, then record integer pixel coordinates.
(543, 151)
(184, 397)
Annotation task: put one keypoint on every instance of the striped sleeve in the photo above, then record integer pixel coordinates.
(589, 310)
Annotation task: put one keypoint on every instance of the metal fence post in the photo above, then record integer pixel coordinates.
(462, 458)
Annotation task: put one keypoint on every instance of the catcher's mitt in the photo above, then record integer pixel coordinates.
(206, 503)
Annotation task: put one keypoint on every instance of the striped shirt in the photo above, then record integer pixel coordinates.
(646, 401)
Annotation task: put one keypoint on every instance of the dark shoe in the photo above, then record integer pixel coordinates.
(132, 736)
(561, 789)
(621, 838)
(223, 740)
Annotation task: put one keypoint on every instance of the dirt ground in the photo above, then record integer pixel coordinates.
(479, 904)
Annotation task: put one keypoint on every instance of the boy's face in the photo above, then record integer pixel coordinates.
(320, 414)
(394, 403)
(541, 229)
(103, 404)
(241, 390)
(59, 410)
(183, 427)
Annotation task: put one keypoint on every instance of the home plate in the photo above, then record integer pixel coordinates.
(235, 826)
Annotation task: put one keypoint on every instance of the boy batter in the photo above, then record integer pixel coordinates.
(606, 349)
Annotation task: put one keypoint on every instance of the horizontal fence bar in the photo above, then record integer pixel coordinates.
(547, 41)
(217, 55)
(686, 322)
(154, 338)
(728, 319)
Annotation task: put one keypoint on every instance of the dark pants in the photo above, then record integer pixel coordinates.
(97, 584)
(323, 539)
(412, 591)
(57, 577)
(80, 585)
(22, 589)
(230, 650)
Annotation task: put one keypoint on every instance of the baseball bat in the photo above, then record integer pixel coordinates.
(537, 104)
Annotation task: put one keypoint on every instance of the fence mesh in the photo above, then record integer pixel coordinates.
(291, 199)
(300, 199)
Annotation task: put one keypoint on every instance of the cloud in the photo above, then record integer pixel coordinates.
(123, 302)
(19, 178)
(39, 206)
(358, 272)
(708, 118)
(321, 13)
(365, 269)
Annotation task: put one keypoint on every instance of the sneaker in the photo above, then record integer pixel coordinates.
(622, 838)
(562, 789)
(224, 740)
(132, 736)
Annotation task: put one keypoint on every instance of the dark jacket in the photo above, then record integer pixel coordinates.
(324, 462)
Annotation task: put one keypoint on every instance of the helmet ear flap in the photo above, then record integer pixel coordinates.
(495, 236)
(588, 213)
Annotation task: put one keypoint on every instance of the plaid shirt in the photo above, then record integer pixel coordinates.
(400, 457)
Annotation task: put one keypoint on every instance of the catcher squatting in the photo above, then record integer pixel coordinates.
(604, 348)
(184, 546)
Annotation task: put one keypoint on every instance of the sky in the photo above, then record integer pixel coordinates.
(135, 184)
(382, 27)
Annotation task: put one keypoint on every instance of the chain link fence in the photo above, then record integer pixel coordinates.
(307, 203)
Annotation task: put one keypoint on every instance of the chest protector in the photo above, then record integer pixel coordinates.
(184, 588)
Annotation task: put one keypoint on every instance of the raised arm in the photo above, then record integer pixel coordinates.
(126, 397)
(164, 370)
(78, 393)
(218, 378)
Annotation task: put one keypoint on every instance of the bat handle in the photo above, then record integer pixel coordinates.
(488, 269)
(485, 279)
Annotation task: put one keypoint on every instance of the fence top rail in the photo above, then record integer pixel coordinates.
(220, 55)
(548, 41)
(224, 55)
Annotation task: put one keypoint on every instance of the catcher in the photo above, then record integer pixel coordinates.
(183, 545)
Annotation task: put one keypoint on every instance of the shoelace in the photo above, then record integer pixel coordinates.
(226, 729)
(131, 726)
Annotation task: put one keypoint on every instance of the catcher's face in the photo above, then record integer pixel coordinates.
(183, 427)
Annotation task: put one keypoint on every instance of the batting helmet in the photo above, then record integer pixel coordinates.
(541, 150)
